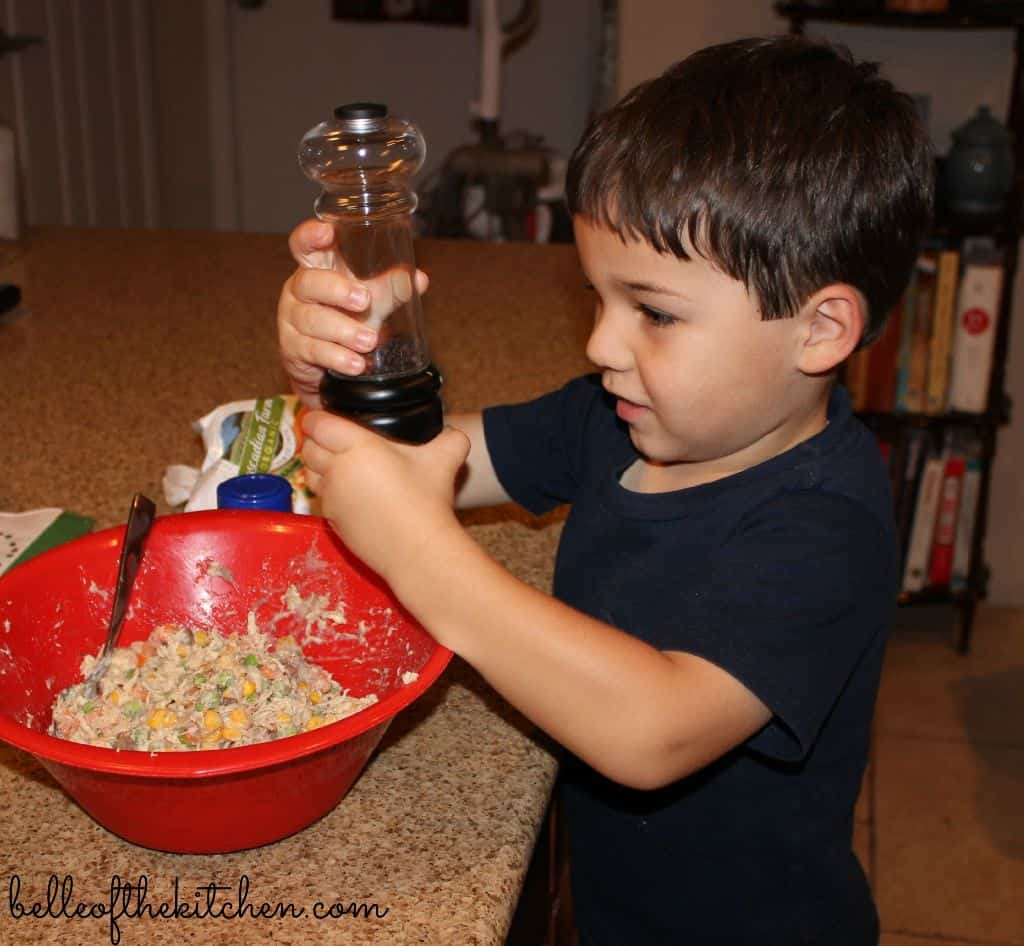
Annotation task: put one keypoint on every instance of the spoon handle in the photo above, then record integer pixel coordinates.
(140, 519)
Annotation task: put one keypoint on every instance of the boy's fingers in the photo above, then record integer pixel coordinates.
(322, 323)
(314, 458)
(329, 356)
(330, 433)
(454, 444)
(329, 287)
(312, 244)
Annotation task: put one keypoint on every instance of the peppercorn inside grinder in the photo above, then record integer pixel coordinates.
(364, 160)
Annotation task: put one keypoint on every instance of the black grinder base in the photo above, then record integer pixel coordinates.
(406, 408)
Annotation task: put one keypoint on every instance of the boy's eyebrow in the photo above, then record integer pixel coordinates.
(641, 286)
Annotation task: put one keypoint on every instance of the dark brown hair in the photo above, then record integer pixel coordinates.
(784, 162)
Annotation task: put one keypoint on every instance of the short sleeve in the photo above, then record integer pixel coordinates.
(536, 447)
(790, 605)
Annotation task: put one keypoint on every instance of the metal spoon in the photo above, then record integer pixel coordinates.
(140, 519)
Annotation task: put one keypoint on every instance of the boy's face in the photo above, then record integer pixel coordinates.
(706, 387)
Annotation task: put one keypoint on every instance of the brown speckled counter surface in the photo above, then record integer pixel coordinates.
(126, 338)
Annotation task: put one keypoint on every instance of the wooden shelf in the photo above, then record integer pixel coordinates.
(975, 20)
(1004, 230)
(893, 421)
(937, 594)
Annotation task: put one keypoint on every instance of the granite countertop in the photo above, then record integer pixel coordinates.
(127, 337)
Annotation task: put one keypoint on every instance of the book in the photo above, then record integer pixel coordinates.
(977, 314)
(919, 546)
(882, 364)
(940, 568)
(893, 445)
(906, 342)
(856, 378)
(913, 452)
(917, 6)
(963, 542)
(884, 448)
(914, 391)
(943, 321)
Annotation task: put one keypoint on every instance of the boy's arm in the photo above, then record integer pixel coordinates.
(477, 483)
(640, 716)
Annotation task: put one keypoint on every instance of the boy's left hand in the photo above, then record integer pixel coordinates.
(386, 500)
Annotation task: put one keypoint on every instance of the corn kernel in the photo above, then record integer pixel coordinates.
(211, 720)
(182, 650)
(202, 638)
(314, 697)
(115, 697)
(239, 716)
(248, 688)
(284, 717)
(303, 686)
(160, 718)
(230, 734)
(313, 722)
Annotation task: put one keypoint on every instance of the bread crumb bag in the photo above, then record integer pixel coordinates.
(259, 435)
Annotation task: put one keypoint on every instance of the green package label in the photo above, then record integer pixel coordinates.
(256, 444)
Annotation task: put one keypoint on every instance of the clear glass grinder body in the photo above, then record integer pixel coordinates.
(364, 161)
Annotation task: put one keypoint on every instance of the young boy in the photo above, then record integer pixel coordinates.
(727, 572)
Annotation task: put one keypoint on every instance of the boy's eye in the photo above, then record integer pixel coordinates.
(656, 317)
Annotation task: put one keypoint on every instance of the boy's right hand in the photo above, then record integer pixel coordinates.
(319, 312)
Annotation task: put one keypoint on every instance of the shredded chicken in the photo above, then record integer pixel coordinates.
(185, 689)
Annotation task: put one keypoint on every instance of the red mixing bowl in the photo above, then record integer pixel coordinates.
(209, 570)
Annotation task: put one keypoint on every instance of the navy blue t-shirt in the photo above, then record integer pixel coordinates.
(784, 575)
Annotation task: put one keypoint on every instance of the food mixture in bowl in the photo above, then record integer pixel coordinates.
(185, 689)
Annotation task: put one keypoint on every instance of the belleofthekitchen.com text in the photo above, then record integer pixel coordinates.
(126, 901)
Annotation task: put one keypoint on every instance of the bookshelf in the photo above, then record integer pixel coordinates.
(898, 425)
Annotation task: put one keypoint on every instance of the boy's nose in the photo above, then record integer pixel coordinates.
(606, 347)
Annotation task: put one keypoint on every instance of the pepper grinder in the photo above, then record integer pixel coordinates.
(364, 159)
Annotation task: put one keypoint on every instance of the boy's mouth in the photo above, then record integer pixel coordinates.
(629, 411)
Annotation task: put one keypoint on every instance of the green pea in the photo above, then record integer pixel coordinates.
(208, 701)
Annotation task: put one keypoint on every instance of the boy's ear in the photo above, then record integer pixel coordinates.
(833, 320)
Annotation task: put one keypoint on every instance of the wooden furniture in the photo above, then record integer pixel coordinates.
(1004, 232)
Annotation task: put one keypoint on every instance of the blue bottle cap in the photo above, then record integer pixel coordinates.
(255, 491)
